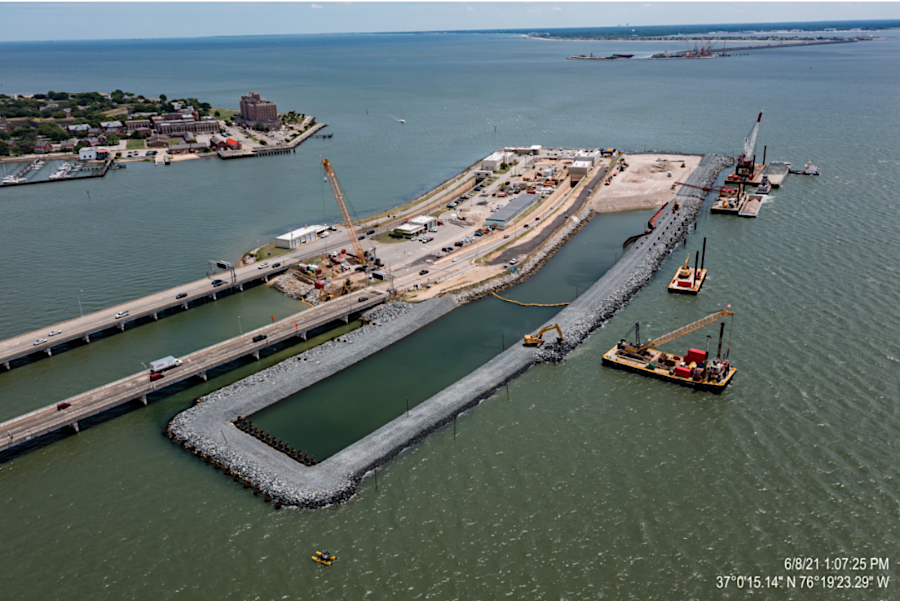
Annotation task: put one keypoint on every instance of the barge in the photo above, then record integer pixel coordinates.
(694, 369)
(688, 280)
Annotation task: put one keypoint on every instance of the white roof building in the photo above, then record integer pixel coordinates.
(427, 221)
(300, 236)
(409, 229)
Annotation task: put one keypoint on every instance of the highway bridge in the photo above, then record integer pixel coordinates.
(136, 387)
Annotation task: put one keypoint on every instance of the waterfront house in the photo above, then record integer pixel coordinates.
(157, 141)
(68, 144)
(141, 127)
(43, 146)
(220, 143)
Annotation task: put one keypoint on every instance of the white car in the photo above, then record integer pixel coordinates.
(513, 261)
(54, 333)
(455, 259)
(263, 266)
(121, 314)
(40, 341)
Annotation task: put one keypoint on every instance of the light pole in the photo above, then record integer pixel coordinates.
(240, 327)
(79, 303)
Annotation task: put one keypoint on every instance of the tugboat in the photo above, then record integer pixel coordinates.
(695, 369)
(324, 557)
(764, 186)
(810, 169)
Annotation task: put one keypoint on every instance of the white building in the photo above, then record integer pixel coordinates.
(301, 236)
(409, 229)
(426, 221)
(592, 156)
(579, 169)
(483, 174)
(88, 154)
(493, 162)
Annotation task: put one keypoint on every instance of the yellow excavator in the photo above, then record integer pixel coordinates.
(536, 340)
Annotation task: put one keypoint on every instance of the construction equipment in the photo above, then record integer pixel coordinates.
(695, 369)
(688, 280)
(746, 163)
(537, 341)
(345, 212)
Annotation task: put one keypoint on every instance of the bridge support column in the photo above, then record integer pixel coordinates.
(241, 287)
(256, 355)
(49, 352)
(122, 327)
(86, 338)
(265, 278)
(347, 318)
(155, 317)
(214, 296)
(202, 374)
(303, 335)
(75, 427)
(144, 399)
(7, 366)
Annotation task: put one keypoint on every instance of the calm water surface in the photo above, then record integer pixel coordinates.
(588, 483)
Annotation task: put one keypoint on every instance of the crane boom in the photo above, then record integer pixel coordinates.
(750, 140)
(345, 213)
(686, 329)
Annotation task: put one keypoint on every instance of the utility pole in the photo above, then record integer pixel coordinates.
(79, 303)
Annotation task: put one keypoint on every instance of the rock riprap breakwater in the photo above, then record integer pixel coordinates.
(286, 481)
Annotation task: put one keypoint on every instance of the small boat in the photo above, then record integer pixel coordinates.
(402, 120)
(810, 169)
(324, 557)
(765, 186)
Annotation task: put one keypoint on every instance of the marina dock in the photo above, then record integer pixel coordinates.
(136, 387)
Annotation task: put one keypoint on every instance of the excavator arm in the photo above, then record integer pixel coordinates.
(686, 329)
(536, 340)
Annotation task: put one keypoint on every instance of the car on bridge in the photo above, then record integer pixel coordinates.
(54, 332)
(423, 272)
(40, 341)
(180, 295)
(259, 337)
(217, 283)
(156, 376)
(363, 298)
(276, 265)
(121, 314)
(263, 266)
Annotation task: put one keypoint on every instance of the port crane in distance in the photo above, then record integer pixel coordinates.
(638, 348)
(345, 213)
(537, 341)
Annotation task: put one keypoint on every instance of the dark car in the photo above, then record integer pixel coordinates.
(423, 272)
(526, 225)
(457, 244)
(217, 283)
(363, 298)
(362, 236)
(156, 376)
(259, 337)
(182, 295)
(63, 405)
(370, 232)
(276, 265)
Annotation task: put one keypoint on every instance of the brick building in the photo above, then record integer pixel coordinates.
(206, 125)
(258, 113)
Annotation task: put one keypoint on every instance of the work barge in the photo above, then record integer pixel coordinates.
(210, 429)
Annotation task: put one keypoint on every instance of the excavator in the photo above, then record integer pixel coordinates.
(695, 369)
(537, 341)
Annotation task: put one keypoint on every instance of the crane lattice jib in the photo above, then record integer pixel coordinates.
(750, 140)
(687, 329)
(345, 212)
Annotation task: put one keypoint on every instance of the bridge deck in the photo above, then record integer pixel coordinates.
(136, 387)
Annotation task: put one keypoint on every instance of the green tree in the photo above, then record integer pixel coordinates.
(58, 115)
(163, 97)
(80, 145)
(4, 149)
(217, 114)
(112, 139)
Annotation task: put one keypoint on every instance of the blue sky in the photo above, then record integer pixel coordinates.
(85, 21)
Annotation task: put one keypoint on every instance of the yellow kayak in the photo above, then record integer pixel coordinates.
(325, 558)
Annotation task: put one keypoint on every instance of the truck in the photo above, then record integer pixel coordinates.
(163, 364)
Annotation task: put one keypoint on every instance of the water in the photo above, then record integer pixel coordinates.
(590, 482)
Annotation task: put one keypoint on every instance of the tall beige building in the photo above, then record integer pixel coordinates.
(259, 113)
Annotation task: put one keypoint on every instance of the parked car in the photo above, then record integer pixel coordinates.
(121, 314)
(263, 266)
(40, 341)
(363, 298)
(180, 295)
(423, 272)
(506, 236)
(156, 376)
(457, 244)
(513, 261)
(217, 283)
(370, 232)
(362, 236)
(479, 234)
(259, 337)
(54, 332)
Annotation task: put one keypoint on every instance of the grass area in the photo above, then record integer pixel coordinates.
(270, 251)
(385, 238)
(224, 114)
(134, 144)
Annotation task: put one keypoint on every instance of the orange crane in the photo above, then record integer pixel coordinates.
(345, 213)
